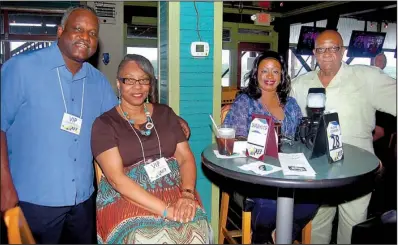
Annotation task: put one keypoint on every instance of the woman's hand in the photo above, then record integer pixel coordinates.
(184, 209)
(170, 213)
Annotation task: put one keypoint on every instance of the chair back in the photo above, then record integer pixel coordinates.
(98, 172)
(18, 230)
(228, 95)
(224, 111)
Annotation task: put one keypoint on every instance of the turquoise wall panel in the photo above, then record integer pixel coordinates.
(204, 188)
(188, 8)
(195, 96)
(196, 80)
(163, 39)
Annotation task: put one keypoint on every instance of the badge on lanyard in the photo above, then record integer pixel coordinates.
(71, 123)
(157, 169)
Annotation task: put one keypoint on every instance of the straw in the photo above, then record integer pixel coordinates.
(215, 125)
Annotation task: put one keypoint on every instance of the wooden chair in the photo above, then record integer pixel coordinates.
(245, 232)
(98, 172)
(228, 95)
(18, 230)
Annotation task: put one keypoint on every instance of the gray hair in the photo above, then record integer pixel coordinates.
(73, 8)
(147, 67)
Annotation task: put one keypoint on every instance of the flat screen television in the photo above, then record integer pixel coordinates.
(365, 44)
(306, 42)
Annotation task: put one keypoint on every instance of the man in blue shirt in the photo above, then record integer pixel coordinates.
(49, 100)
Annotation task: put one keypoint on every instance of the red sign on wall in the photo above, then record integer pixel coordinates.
(263, 19)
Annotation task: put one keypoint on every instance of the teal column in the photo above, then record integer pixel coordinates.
(191, 85)
(196, 84)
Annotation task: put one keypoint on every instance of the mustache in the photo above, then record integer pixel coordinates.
(82, 42)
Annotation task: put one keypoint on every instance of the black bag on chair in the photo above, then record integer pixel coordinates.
(377, 230)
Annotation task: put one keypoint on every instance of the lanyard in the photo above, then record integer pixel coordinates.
(63, 97)
(142, 147)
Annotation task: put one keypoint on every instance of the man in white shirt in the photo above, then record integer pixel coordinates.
(379, 61)
(355, 92)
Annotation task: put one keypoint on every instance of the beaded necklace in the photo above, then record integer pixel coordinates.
(148, 125)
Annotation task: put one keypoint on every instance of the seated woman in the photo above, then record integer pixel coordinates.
(267, 94)
(148, 193)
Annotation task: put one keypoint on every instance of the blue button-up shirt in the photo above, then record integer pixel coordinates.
(49, 166)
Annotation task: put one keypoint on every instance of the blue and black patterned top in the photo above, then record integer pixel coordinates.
(243, 107)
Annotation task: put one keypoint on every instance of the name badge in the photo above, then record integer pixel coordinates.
(71, 123)
(157, 169)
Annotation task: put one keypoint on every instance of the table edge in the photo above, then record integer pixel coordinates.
(284, 183)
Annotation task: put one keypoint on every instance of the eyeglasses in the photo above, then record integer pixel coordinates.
(132, 81)
(331, 50)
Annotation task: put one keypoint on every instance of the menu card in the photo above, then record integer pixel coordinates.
(295, 164)
(260, 168)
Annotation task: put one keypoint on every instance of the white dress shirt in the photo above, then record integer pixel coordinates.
(355, 93)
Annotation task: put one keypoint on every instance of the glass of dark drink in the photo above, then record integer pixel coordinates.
(225, 140)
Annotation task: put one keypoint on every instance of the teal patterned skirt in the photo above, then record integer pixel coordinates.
(119, 221)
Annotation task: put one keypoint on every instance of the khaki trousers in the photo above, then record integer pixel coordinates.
(350, 214)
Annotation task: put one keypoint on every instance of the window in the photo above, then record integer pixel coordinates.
(2, 58)
(226, 35)
(150, 53)
(391, 67)
(18, 47)
(142, 31)
(27, 31)
(15, 45)
(247, 58)
(34, 24)
(356, 61)
(295, 68)
(247, 52)
(225, 72)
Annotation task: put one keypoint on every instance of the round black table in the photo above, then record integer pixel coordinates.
(357, 164)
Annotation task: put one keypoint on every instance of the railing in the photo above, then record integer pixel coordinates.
(30, 46)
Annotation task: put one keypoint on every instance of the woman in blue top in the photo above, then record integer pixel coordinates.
(267, 94)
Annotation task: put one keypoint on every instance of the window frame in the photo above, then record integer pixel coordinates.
(7, 37)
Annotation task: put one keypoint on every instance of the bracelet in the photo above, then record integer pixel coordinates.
(189, 196)
(189, 191)
(165, 211)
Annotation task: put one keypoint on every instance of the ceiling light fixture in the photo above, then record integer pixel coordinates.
(25, 24)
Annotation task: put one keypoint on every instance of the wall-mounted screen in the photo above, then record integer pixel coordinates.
(365, 44)
(306, 42)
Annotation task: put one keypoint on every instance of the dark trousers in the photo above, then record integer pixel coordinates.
(264, 218)
(70, 224)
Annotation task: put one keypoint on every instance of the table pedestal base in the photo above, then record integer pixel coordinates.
(284, 216)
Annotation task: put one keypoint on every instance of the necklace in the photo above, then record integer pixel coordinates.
(266, 108)
(148, 125)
